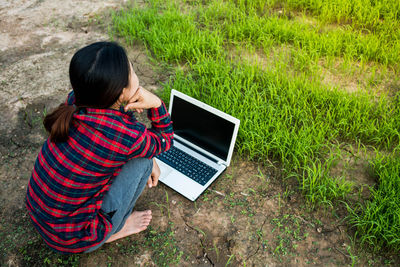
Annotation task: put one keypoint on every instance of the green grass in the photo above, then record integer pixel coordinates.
(288, 115)
(378, 220)
(239, 24)
(366, 14)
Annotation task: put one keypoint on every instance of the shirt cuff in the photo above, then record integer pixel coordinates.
(157, 114)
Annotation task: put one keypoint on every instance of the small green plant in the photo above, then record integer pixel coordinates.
(165, 251)
(163, 206)
(288, 232)
(231, 257)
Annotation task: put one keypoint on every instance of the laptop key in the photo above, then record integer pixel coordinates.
(188, 165)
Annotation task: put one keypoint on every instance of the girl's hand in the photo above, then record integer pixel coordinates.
(155, 174)
(143, 99)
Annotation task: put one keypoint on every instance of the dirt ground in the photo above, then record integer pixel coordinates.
(248, 217)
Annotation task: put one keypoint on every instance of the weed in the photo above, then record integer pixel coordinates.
(167, 204)
(216, 249)
(229, 260)
(37, 254)
(163, 206)
(354, 259)
(132, 249)
(287, 233)
(165, 251)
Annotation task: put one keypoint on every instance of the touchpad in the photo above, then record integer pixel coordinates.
(164, 169)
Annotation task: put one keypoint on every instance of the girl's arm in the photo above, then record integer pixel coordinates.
(157, 139)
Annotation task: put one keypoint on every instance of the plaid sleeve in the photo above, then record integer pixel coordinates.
(157, 139)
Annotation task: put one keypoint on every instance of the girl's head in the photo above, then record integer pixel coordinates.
(100, 75)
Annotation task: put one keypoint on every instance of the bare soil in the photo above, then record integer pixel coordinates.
(248, 217)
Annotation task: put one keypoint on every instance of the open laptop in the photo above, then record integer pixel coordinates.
(204, 138)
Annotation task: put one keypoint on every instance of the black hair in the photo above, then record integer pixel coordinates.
(98, 73)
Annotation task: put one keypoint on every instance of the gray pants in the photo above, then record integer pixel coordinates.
(123, 193)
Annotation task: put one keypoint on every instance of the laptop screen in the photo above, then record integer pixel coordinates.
(201, 127)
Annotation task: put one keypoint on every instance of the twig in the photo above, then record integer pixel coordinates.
(342, 252)
(302, 219)
(258, 240)
(217, 192)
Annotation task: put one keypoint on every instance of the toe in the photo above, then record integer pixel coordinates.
(147, 221)
(147, 216)
(145, 213)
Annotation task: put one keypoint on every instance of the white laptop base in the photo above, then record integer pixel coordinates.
(180, 182)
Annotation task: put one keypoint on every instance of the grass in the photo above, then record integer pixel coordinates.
(163, 244)
(246, 25)
(365, 14)
(378, 219)
(288, 116)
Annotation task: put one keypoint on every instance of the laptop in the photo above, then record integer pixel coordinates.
(204, 138)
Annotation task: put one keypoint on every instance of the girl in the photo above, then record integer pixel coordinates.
(98, 158)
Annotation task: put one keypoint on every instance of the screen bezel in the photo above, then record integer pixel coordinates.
(226, 161)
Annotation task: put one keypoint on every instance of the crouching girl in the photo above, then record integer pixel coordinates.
(98, 157)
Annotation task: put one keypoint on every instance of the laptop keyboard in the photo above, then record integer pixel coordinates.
(188, 165)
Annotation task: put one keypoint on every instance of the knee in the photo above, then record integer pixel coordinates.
(148, 163)
(139, 165)
(146, 166)
(144, 163)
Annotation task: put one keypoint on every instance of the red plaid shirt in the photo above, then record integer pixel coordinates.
(69, 179)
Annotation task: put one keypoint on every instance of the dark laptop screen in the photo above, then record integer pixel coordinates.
(202, 128)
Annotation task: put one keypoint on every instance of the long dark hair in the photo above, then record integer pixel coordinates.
(98, 74)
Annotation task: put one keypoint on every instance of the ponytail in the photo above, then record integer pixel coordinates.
(57, 123)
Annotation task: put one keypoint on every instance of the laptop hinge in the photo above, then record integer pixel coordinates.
(220, 162)
(197, 151)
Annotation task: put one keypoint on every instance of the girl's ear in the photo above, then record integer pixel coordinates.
(123, 97)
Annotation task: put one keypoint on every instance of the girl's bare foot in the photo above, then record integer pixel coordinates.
(136, 222)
